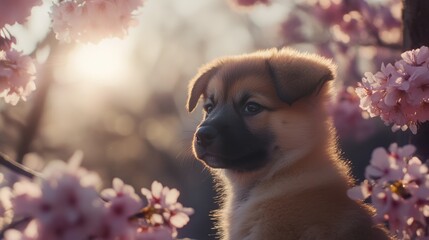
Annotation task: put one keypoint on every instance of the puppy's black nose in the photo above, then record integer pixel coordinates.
(205, 135)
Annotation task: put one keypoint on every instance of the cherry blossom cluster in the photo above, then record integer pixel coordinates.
(16, 11)
(17, 74)
(398, 185)
(65, 203)
(349, 120)
(72, 20)
(93, 20)
(347, 21)
(345, 31)
(356, 20)
(399, 93)
(17, 71)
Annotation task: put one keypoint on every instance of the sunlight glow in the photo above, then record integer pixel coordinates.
(106, 63)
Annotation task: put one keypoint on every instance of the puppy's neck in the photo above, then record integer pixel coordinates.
(319, 157)
(235, 186)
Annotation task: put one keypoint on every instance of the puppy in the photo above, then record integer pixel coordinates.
(269, 141)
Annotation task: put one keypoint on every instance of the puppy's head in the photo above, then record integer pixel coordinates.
(257, 107)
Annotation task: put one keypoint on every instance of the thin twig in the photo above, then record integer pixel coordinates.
(16, 167)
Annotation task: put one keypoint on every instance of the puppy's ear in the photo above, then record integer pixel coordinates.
(296, 75)
(199, 83)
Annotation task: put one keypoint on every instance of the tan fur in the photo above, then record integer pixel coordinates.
(301, 192)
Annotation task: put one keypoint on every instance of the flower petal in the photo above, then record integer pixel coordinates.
(172, 196)
(156, 189)
(179, 220)
(360, 192)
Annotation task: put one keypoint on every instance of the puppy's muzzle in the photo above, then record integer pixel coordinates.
(206, 135)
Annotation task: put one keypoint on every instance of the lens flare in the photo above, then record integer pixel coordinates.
(105, 63)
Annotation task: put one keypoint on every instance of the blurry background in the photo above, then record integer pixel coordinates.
(122, 101)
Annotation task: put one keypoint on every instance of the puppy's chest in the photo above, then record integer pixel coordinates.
(242, 219)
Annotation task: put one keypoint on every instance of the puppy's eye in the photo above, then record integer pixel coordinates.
(252, 108)
(208, 107)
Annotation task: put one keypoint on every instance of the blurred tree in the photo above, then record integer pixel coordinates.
(415, 35)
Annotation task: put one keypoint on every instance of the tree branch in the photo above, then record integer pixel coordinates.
(17, 168)
(415, 16)
(29, 132)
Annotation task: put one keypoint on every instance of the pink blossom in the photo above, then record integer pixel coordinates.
(391, 208)
(292, 29)
(385, 166)
(416, 57)
(6, 39)
(16, 11)
(17, 73)
(64, 204)
(348, 118)
(417, 177)
(122, 203)
(351, 29)
(398, 184)
(5, 205)
(351, 21)
(13, 234)
(405, 153)
(29, 233)
(26, 198)
(423, 114)
(93, 20)
(157, 196)
(68, 209)
(156, 201)
(380, 16)
(173, 214)
(389, 166)
(120, 189)
(399, 92)
(419, 83)
(66, 20)
(396, 75)
(55, 170)
(361, 192)
(328, 12)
